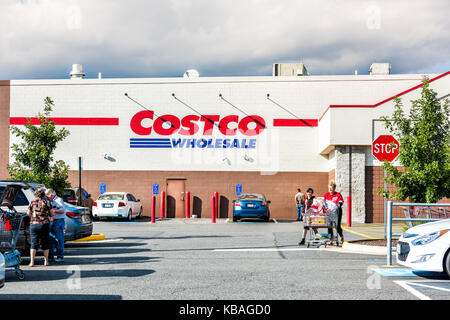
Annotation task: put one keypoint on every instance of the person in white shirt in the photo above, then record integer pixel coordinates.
(57, 226)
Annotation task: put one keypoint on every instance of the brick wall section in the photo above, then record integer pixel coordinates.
(4, 127)
(279, 188)
(374, 201)
(332, 175)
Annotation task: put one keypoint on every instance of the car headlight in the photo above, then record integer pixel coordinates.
(409, 235)
(426, 239)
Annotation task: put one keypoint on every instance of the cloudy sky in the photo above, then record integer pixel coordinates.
(160, 38)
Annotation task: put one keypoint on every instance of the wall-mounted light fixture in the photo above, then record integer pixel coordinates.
(226, 161)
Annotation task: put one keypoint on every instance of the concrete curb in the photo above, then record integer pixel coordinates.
(94, 237)
(359, 248)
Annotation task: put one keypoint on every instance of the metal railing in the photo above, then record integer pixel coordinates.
(441, 213)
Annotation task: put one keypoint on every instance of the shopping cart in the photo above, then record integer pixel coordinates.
(318, 216)
(10, 225)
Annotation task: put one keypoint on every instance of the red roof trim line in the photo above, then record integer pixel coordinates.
(295, 122)
(68, 121)
(384, 101)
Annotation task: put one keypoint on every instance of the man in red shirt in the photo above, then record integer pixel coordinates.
(337, 198)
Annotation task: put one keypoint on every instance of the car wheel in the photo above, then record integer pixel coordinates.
(140, 213)
(447, 263)
(130, 215)
(235, 219)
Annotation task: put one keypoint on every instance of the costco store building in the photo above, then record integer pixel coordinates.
(209, 134)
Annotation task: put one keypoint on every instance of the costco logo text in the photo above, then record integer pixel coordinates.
(168, 125)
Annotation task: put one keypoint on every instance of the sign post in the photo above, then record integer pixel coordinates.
(385, 148)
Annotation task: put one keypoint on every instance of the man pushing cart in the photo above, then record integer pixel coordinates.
(321, 215)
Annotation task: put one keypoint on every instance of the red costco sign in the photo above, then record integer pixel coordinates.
(385, 148)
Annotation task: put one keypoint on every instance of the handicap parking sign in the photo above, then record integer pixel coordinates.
(155, 188)
(102, 188)
(238, 189)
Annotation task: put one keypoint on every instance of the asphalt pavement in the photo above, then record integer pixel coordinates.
(197, 260)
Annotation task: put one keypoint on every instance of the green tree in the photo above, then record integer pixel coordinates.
(424, 139)
(33, 156)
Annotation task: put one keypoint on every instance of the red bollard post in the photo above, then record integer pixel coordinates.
(216, 196)
(213, 209)
(188, 205)
(153, 208)
(163, 204)
(349, 211)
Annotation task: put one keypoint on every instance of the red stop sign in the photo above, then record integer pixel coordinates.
(385, 148)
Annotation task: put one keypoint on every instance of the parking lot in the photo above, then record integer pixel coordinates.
(179, 259)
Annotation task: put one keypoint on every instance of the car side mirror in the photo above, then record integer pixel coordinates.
(88, 195)
(138, 200)
(268, 201)
(234, 201)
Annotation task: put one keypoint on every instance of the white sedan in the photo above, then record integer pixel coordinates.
(117, 205)
(426, 247)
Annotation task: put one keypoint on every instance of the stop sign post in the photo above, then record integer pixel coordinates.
(385, 148)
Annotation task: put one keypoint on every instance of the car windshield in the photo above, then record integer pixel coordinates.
(252, 197)
(111, 197)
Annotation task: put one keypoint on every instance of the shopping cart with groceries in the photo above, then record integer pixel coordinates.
(11, 223)
(321, 214)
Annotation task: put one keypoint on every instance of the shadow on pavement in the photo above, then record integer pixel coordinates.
(59, 297)
(45, 274)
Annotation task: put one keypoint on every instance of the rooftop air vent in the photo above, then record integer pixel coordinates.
(77, 71)
(192, 73)
(380, 68)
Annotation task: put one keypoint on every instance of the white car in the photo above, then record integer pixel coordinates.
(117, 205)
(2, 271)
(426, 247)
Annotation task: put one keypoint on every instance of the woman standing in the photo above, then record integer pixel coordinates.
(309, 199)
(337, 198)
(41, 213)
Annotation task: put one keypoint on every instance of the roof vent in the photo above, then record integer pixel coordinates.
(192, 73)
(378, 68)
(77, 71)
(289, 69)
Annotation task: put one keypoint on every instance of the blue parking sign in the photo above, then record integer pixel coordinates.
(102, 188)
(155, 188)
(238, 189)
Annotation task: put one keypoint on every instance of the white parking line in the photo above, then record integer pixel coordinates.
(96, 241)
(428, 284)
(405, 285)
(265, 249)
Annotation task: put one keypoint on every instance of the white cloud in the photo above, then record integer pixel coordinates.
(138, 38)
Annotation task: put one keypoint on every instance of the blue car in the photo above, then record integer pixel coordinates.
(251, 205)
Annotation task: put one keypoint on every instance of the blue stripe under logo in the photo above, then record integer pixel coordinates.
(151, 143)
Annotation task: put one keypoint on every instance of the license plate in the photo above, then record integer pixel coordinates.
(108, 205)
(251, 205)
